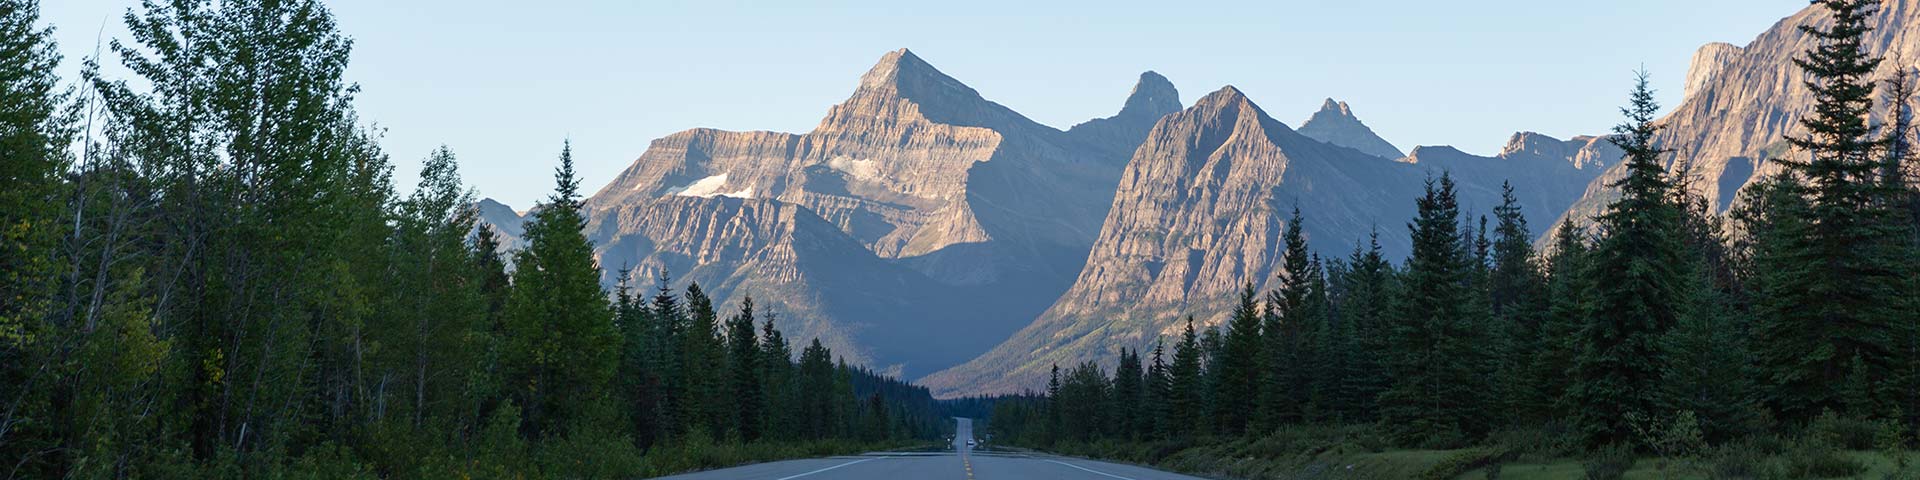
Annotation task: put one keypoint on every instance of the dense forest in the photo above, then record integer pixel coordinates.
(207, 272)
(1658, 327)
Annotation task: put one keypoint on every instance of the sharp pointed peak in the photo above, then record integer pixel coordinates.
(1225, 94)
(1152, 95)
(900, 65)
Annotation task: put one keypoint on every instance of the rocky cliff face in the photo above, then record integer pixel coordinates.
(916, 207)
(1336, 124)
(1200, 212)
(1741, 101)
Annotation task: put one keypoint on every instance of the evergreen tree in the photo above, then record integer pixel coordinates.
(1158, 386)
(1367, 306)
(562, 349)
(1519, 301)
(1238, 369)
(1569, 302)
(1436, 391)
(703, 366)
(1643, 282)
(1283, 380)
(1129, 391)
(743, 366)
(815, 391)
(776, 363)
(1186, 407)
(1839, 302)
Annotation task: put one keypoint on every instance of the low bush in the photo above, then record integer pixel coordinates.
(1844, 432)
(1608, 463)
(1817, 456)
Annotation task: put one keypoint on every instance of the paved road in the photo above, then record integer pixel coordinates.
(960, 464)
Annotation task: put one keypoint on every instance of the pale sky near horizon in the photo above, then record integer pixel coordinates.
(504, 82)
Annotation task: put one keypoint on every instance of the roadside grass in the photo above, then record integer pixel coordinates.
(1353, 452)
(698, 454)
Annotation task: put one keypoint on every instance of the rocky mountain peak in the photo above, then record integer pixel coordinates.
(903, 73)
(1707, 64)
(1533, 143)
(1152, 95)
(1335, 124)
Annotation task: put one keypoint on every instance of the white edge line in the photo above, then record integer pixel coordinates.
(830, 468)
(1085, 469)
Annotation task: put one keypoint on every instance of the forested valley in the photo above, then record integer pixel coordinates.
(206, 271)
(1778, 341)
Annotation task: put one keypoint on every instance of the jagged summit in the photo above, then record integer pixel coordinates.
(900, 69)
(1152, 95)
(1336, 124)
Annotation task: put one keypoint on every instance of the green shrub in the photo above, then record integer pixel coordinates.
(1739, 461)
(1816, 456)
(1608, 463)
(1848, 433)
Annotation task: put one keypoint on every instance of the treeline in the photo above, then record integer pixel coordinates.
(1657, 316)
(206, 271)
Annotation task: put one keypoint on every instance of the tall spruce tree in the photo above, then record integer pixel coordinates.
(743, 367)
(1158, 392)
(1186, 404)
(1435, 397)
(1835, 314)
(1367, 309)
(562, 350)
(1129, 392)
(1569, 303)
(1519, 302)
(1283, 381)
(1643, 283)
(1237, 386)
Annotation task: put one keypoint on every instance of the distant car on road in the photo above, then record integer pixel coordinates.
(971, 443)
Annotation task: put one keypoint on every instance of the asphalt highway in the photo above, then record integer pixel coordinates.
(962, 463)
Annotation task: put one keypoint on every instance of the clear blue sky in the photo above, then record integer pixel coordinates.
(504, 82)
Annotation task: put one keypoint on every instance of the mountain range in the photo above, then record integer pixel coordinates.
(930, 233)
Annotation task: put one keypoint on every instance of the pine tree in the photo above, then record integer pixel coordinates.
(1186, 407)
(1129, 393)
(1569, 302)
(1367, 306)
(1238, 369)
(562, 348)
(816, 391)
(1158, 387)
(1283, 381)
(743, 366)
(1519, 301)
(777, 380)
(1435, 396)
(703, 366)
(1643, 282)
(1846, 305)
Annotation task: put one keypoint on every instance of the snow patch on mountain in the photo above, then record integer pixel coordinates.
(711, 187)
